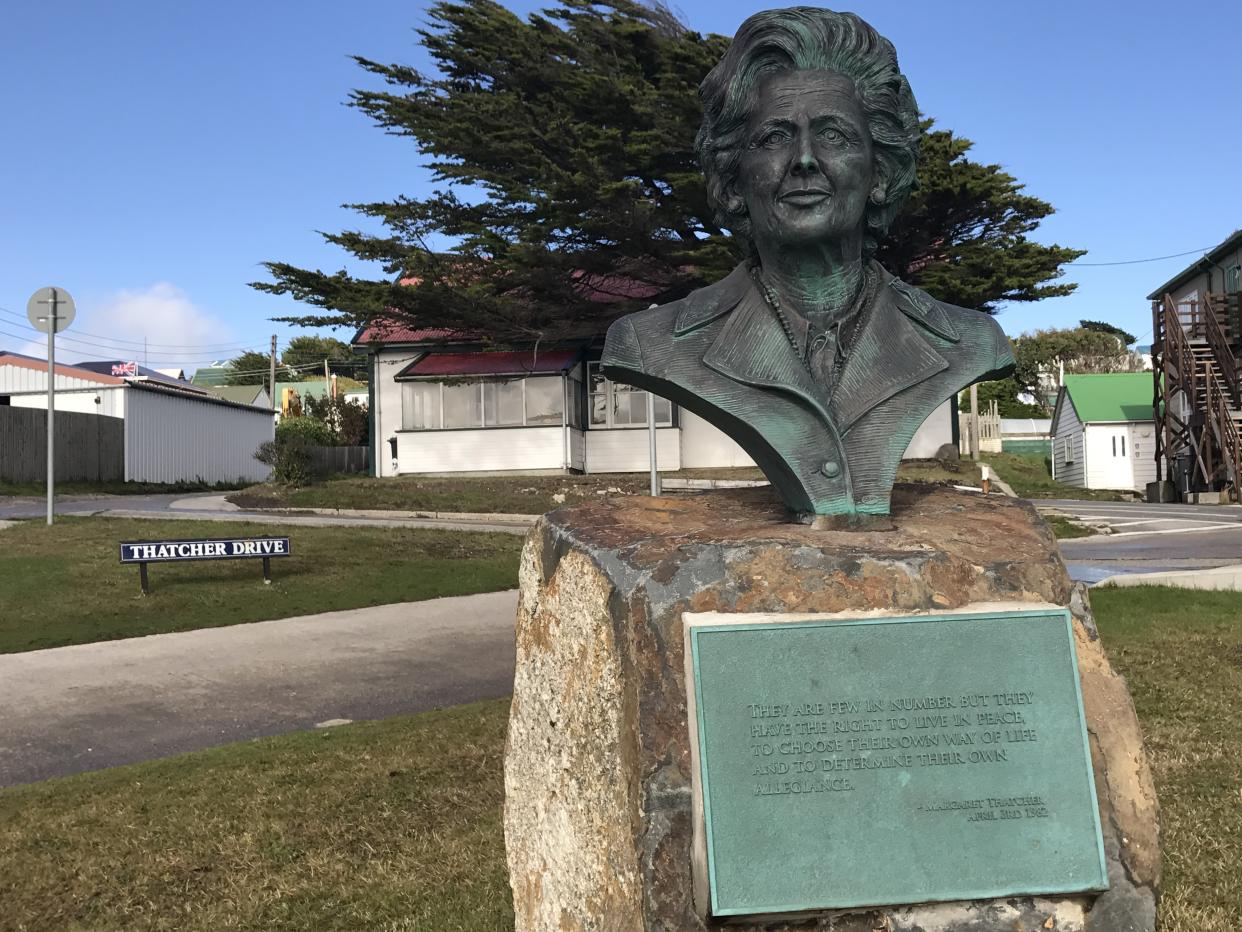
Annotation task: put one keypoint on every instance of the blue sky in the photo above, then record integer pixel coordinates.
(156, 153)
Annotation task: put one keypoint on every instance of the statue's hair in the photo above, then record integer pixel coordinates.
(809, 38)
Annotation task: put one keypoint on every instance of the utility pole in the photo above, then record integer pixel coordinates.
(272, 381)
(327, 380)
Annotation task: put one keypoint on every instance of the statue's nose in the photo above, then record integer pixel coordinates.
(804, 161)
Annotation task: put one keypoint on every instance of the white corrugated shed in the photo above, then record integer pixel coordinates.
(171, 434)
(22, 374)
(1026, 427)
(171, 437)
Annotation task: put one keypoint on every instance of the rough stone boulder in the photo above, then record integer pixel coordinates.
(598, 812)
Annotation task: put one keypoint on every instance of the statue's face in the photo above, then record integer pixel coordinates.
(807, 171)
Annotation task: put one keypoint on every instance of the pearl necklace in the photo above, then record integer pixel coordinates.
(860, 303)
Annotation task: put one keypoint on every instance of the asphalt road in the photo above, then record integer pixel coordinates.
(1149, 538)
(91, 706)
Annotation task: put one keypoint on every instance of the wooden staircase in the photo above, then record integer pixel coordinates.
(1198, 398)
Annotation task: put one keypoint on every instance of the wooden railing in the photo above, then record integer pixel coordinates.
(1221, 349)
(1226, 431)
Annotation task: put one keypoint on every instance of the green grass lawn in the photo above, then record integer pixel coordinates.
(396, 825)
(1063, 528)
(528, 495)
(64, 585)
(1029, 477)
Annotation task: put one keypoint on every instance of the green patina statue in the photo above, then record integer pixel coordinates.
(816, 360)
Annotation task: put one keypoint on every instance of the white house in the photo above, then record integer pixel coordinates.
(1103, 431)
(443, 404)
(174, 432)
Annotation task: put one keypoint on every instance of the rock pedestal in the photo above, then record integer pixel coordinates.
(598, 810)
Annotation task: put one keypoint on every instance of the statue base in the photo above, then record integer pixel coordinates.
(600, 815)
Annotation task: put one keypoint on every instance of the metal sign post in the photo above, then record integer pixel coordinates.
(652, 445)
(51, 310)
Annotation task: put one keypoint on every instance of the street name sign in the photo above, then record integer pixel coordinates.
(143, 552)
(881, 760)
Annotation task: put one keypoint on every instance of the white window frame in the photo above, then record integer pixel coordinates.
(482, 425)
(609, 395)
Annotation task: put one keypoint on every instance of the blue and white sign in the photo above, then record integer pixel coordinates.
(172, 551)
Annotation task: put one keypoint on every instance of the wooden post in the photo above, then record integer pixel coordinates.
(974, 421)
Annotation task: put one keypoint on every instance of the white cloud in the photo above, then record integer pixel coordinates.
(178, 333)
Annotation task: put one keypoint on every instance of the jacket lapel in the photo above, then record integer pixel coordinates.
(752, 348)
(888, 356)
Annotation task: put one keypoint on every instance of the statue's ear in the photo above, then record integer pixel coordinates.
(734, 202)
(878, 190)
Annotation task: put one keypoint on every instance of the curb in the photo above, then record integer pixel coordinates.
(480, 517)
(1216, 577)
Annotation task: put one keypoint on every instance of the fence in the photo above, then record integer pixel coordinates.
(989, 439)
(330, 460)
(89, 447)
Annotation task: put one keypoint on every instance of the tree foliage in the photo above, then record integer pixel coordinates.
(1125, 336)
(305, 351)
(1040, 356)
(250, 368)
(568, 190)
(962, 236)
(1005, 393)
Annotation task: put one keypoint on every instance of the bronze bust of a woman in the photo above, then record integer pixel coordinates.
(816, 360)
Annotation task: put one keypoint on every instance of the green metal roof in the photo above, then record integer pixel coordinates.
(1117, 396)
(242, 394)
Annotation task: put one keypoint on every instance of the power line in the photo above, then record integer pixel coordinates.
(1176, 255)
(88, 346)
(219, 347)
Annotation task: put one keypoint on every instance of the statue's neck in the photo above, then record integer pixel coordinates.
(819, 283)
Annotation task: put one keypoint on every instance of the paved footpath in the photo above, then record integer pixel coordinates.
(213, 507)
(89, 706)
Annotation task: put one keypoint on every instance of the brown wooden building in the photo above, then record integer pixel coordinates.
(1196, 362)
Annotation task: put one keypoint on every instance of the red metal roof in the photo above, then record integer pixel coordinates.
(525, 362)
(386, 331)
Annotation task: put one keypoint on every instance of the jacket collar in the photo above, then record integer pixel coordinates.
(889, 353)
(705, 305)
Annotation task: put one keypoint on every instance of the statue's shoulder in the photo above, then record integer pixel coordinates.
(961, 325)
(634, 336)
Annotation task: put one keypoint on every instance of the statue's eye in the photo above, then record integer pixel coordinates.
(773, 138)
(833, 135)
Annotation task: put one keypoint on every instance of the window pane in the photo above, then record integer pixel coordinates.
(663, 411)
(620, 407)
(545, 400)
(638, 407)
(502, 403)
(462, 407)
(420, 406)
(595, 378)
(599, 409)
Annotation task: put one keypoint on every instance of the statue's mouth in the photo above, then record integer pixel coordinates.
(806, 197)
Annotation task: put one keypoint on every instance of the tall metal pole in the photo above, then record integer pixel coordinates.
(651, 443)
(51, 405)
(275, 401)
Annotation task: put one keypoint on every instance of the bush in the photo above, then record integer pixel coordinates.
(310, 430)
(348, 420)
(289, 457)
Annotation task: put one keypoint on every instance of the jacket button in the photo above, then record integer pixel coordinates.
(830, 469)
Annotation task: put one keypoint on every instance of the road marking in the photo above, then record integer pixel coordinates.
(1181, 530)
(1216, 522)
